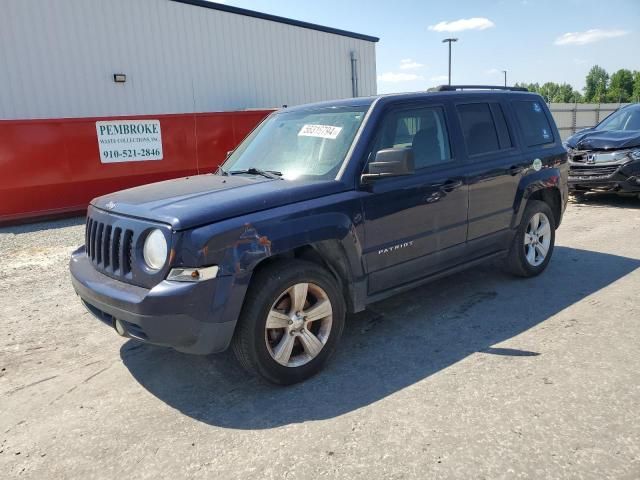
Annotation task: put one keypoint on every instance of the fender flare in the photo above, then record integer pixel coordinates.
(548, 178)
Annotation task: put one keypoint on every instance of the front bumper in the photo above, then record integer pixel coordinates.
(189, 317)
(619, 178)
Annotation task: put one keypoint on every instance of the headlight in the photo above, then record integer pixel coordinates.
(155, 250)
(635, 154)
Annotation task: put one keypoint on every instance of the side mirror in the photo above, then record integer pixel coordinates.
(390, 162)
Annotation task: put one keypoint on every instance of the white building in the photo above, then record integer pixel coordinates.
(59, 59)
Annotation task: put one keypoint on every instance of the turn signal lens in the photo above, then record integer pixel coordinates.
(192, 274)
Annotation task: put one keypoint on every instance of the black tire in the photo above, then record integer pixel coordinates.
(579, 195)
(517, 262)
(249, 342)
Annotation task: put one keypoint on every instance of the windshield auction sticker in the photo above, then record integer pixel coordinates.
(320, 131)
(129, 140)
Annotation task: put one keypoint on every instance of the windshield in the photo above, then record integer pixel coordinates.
(309, 143)
(626, 119)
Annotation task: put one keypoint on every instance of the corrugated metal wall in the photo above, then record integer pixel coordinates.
(58, 59)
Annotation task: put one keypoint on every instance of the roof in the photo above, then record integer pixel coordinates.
(408, 96)
(274, 18)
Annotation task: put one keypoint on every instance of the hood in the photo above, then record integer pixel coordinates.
(193, 201)
(591, 139)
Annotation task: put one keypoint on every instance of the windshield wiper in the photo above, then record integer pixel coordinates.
(256, 171)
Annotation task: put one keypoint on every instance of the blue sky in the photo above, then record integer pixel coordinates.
(534, 40)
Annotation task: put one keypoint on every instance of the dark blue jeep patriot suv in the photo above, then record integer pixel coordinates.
(320, 211)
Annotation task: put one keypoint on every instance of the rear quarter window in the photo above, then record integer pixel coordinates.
(536, 129)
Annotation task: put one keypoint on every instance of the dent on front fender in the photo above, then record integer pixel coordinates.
(237, 248)
(246, 251)
(233, 248)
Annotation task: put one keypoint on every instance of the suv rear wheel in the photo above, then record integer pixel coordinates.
(534, 241)
(291, 322)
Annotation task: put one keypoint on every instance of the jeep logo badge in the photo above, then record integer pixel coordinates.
(110, 206)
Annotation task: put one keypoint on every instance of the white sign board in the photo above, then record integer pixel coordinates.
(129, 140)
(320, 131)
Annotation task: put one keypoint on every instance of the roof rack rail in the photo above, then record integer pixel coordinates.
(451, 88)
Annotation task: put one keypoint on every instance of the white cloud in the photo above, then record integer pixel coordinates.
(439, 78)
(589, 36)
(475, 23)
(409, 64)
(394, 77)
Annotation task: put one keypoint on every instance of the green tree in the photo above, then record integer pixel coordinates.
(532, 87)
(636, 87)
(549, 91)
(596, 84)
(567, 94)
(554, 92)
(621, 86)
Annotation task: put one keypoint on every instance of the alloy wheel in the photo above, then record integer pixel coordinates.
(537, 239)
(298, 324)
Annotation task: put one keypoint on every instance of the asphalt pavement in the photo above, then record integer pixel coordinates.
(479, 375)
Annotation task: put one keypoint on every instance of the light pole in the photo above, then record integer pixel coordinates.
(505, 77)
(449, 41)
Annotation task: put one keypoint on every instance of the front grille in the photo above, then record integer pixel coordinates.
(109, 249)
(592, 172)
(127, 249)
(113, 246)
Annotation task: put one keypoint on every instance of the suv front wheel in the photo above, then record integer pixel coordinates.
(291, 322)
(533, 243)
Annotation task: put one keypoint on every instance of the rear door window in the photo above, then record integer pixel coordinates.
(536, 129)
(478, 128)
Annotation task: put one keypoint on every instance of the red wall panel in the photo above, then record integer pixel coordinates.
(50, 167)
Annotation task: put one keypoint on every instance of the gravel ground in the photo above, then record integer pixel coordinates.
(476, 376)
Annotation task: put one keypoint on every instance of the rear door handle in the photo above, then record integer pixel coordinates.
(515, 170)
(450, 185)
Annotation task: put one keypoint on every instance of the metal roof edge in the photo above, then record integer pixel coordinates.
(274, 18)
